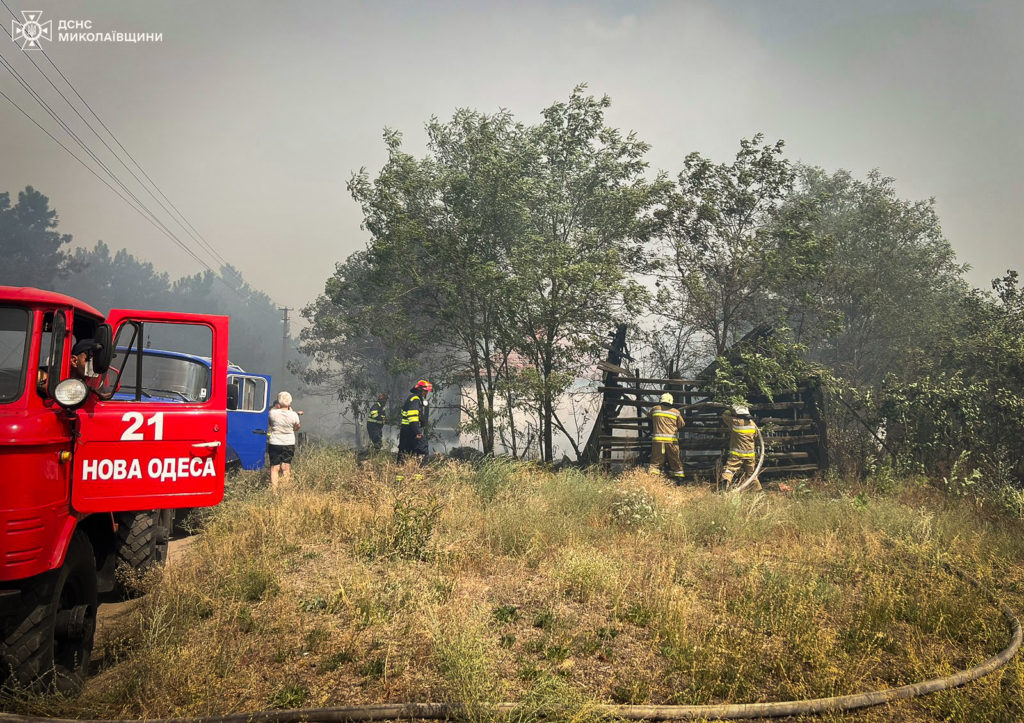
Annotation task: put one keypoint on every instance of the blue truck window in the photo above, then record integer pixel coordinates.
(171, 376)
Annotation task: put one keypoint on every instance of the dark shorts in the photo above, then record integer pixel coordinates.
(280, 453)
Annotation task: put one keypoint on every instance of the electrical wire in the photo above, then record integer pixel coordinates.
(145, 211)
(70, 152)
(201, 238)
(187, 226)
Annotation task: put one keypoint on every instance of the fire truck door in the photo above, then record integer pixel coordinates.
(161, 442)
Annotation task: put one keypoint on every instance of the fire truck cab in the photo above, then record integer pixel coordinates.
(88, 464)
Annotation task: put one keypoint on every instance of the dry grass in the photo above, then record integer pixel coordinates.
(506, 582)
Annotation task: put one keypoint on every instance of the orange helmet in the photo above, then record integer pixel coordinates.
(424, 385)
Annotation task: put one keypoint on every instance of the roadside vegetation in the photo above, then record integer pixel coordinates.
(556, 590)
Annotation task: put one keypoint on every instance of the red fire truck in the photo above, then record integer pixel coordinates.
(86, 476)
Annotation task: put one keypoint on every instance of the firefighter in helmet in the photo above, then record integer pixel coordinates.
(740, 457)
(666, 424)
(376, 420)
(411, 437)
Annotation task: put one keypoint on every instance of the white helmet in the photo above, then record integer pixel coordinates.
(740, 410)
(667, 398)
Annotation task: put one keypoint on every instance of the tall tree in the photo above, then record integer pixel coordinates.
(723, 252)
(960, 413)
(256, 326)
(372, 328)
(357, 340)
(123, 281)
(506, 246)
(32, 249)
(590, 214)
(434, 264)
(887, 280)
(116, 280)
(479, 162)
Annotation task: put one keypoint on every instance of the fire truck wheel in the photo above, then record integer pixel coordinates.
(141, 545)
(48, 637)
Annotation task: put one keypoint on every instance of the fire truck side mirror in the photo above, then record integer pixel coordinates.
(232, 397)
(104, 336)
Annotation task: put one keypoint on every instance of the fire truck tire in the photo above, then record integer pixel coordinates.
(141, 545)
(48, 634)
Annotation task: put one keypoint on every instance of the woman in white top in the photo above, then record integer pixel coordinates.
(282, 424)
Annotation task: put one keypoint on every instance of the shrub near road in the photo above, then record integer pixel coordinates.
(506, 582)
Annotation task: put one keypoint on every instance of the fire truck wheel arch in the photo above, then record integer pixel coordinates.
(48, 634)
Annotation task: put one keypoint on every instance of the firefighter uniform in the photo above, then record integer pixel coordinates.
(411, 436)
(666, 423)
(741, 445)
(375, 422)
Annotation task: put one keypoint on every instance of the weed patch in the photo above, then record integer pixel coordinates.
(407, 533)
(289, 696)
(559, 590)
(634, 507)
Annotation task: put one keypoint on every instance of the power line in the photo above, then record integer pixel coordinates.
(180, 218)
(212, 251)
(104, 142)
(91, 170)
(70, 152)
(201, 238)
(202, 241)
(145, 211)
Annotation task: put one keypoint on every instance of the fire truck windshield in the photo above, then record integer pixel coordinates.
(14, 328)
(174, 378)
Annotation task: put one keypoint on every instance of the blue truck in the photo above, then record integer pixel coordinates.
(179, 377)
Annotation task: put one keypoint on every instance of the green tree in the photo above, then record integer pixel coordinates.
(375, 326)
(589, 217)
(506, 245)
(724, 254)
(964, 406)
(256, 331)
(479, 164)
(876, 287)
(32, 249)
(123, 281)
(116, 281)
(960, 415)
(429, 286)
(887, 278)
(357, 342)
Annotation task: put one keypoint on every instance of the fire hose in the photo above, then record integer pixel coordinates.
(721, 711)
(778, 709)
(757, 467)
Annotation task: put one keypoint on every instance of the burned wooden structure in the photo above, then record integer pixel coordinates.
(791, 422)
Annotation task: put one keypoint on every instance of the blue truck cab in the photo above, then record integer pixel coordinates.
(170, 376)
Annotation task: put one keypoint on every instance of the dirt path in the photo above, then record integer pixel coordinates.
(109, 613)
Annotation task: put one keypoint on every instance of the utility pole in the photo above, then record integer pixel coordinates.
(284, 347)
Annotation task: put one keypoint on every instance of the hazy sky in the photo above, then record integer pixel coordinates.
(251, 116)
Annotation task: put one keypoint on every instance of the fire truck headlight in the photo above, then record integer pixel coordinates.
(70, 393)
